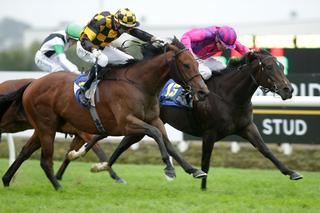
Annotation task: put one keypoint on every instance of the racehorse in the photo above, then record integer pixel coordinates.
(128, 104)
(13, 119)
(228, 109)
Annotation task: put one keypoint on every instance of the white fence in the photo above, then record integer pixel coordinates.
(174, 135)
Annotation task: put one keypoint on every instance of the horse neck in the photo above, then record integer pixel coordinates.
(153, 73)
(239, 86)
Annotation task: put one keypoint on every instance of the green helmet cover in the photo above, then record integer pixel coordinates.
(73, 31)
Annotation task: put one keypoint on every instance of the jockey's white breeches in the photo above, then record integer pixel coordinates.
(47, 64)
(208, 65)
(114, 55)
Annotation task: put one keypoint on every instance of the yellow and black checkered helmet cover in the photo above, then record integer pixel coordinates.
(126, 18)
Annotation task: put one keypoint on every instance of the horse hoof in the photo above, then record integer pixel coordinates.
(57, 187)
(5, 182)
(295, 176)
(170, 175)
(121, 181)
(199, 174)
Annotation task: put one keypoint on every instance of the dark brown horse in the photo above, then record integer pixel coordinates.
(13, 119)
(228, 108)
(129, 105)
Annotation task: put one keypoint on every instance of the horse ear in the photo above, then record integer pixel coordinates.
(250, 57)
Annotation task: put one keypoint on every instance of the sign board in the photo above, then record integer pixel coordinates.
(296, 124)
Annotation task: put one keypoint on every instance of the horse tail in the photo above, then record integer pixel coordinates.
(7, 99)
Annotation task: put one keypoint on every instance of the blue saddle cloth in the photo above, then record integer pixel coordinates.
(172, 94)
(78, 87)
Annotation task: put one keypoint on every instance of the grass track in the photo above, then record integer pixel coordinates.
(230, 190)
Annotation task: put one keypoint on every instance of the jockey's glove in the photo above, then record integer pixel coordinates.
(158, 42)
(102, 59)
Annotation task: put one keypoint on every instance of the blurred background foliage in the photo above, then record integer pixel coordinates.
(22, 59)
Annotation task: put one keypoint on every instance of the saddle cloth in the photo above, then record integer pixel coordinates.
(172, 94)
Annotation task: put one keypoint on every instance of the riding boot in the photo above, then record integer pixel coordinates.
(91, 77)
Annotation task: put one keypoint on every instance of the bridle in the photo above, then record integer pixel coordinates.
(265, 90)
(177, 73)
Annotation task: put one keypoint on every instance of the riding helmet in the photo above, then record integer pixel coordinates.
(73, 31)
(126, 18)
(227, 36)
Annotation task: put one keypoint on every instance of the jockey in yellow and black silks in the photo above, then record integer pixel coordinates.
(94, 44)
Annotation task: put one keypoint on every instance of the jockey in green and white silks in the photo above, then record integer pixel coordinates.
(51, 56)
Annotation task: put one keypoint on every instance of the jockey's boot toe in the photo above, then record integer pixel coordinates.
(84, 99)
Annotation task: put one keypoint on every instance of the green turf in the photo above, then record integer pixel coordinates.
(229, 190)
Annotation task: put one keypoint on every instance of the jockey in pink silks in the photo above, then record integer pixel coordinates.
(206, 42)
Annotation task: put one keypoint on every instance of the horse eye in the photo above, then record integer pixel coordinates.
(186, 66)
(269, 67)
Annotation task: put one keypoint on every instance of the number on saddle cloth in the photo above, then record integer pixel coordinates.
(173, 94)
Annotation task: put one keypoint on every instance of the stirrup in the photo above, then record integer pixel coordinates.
(83, 99)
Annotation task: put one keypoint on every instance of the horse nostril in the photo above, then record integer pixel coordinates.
(291, 90)
(288, 90)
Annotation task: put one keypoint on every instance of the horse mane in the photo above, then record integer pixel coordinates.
(235, 63)
(148, 51)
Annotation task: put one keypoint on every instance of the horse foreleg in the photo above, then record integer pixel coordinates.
(251, 133)
(31, 146)
(104, 163)
(197, 173)
(207, 147)
(62, 168)
(136, 126)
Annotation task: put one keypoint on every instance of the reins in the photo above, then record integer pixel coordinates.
(176, 71)
(262, 69)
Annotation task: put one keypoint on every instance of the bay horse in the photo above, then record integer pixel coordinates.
(13, 119)
(228, 109)
(128, 105)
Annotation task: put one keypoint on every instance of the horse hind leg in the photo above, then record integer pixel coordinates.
(76, 143)
(31, 146)
(46, 160)
(125, 143)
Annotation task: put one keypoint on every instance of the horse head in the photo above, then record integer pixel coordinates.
(268, 73)
(184, 70)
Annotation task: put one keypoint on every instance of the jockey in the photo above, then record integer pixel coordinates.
(205, 42)
(102, 29)
(51, 56)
